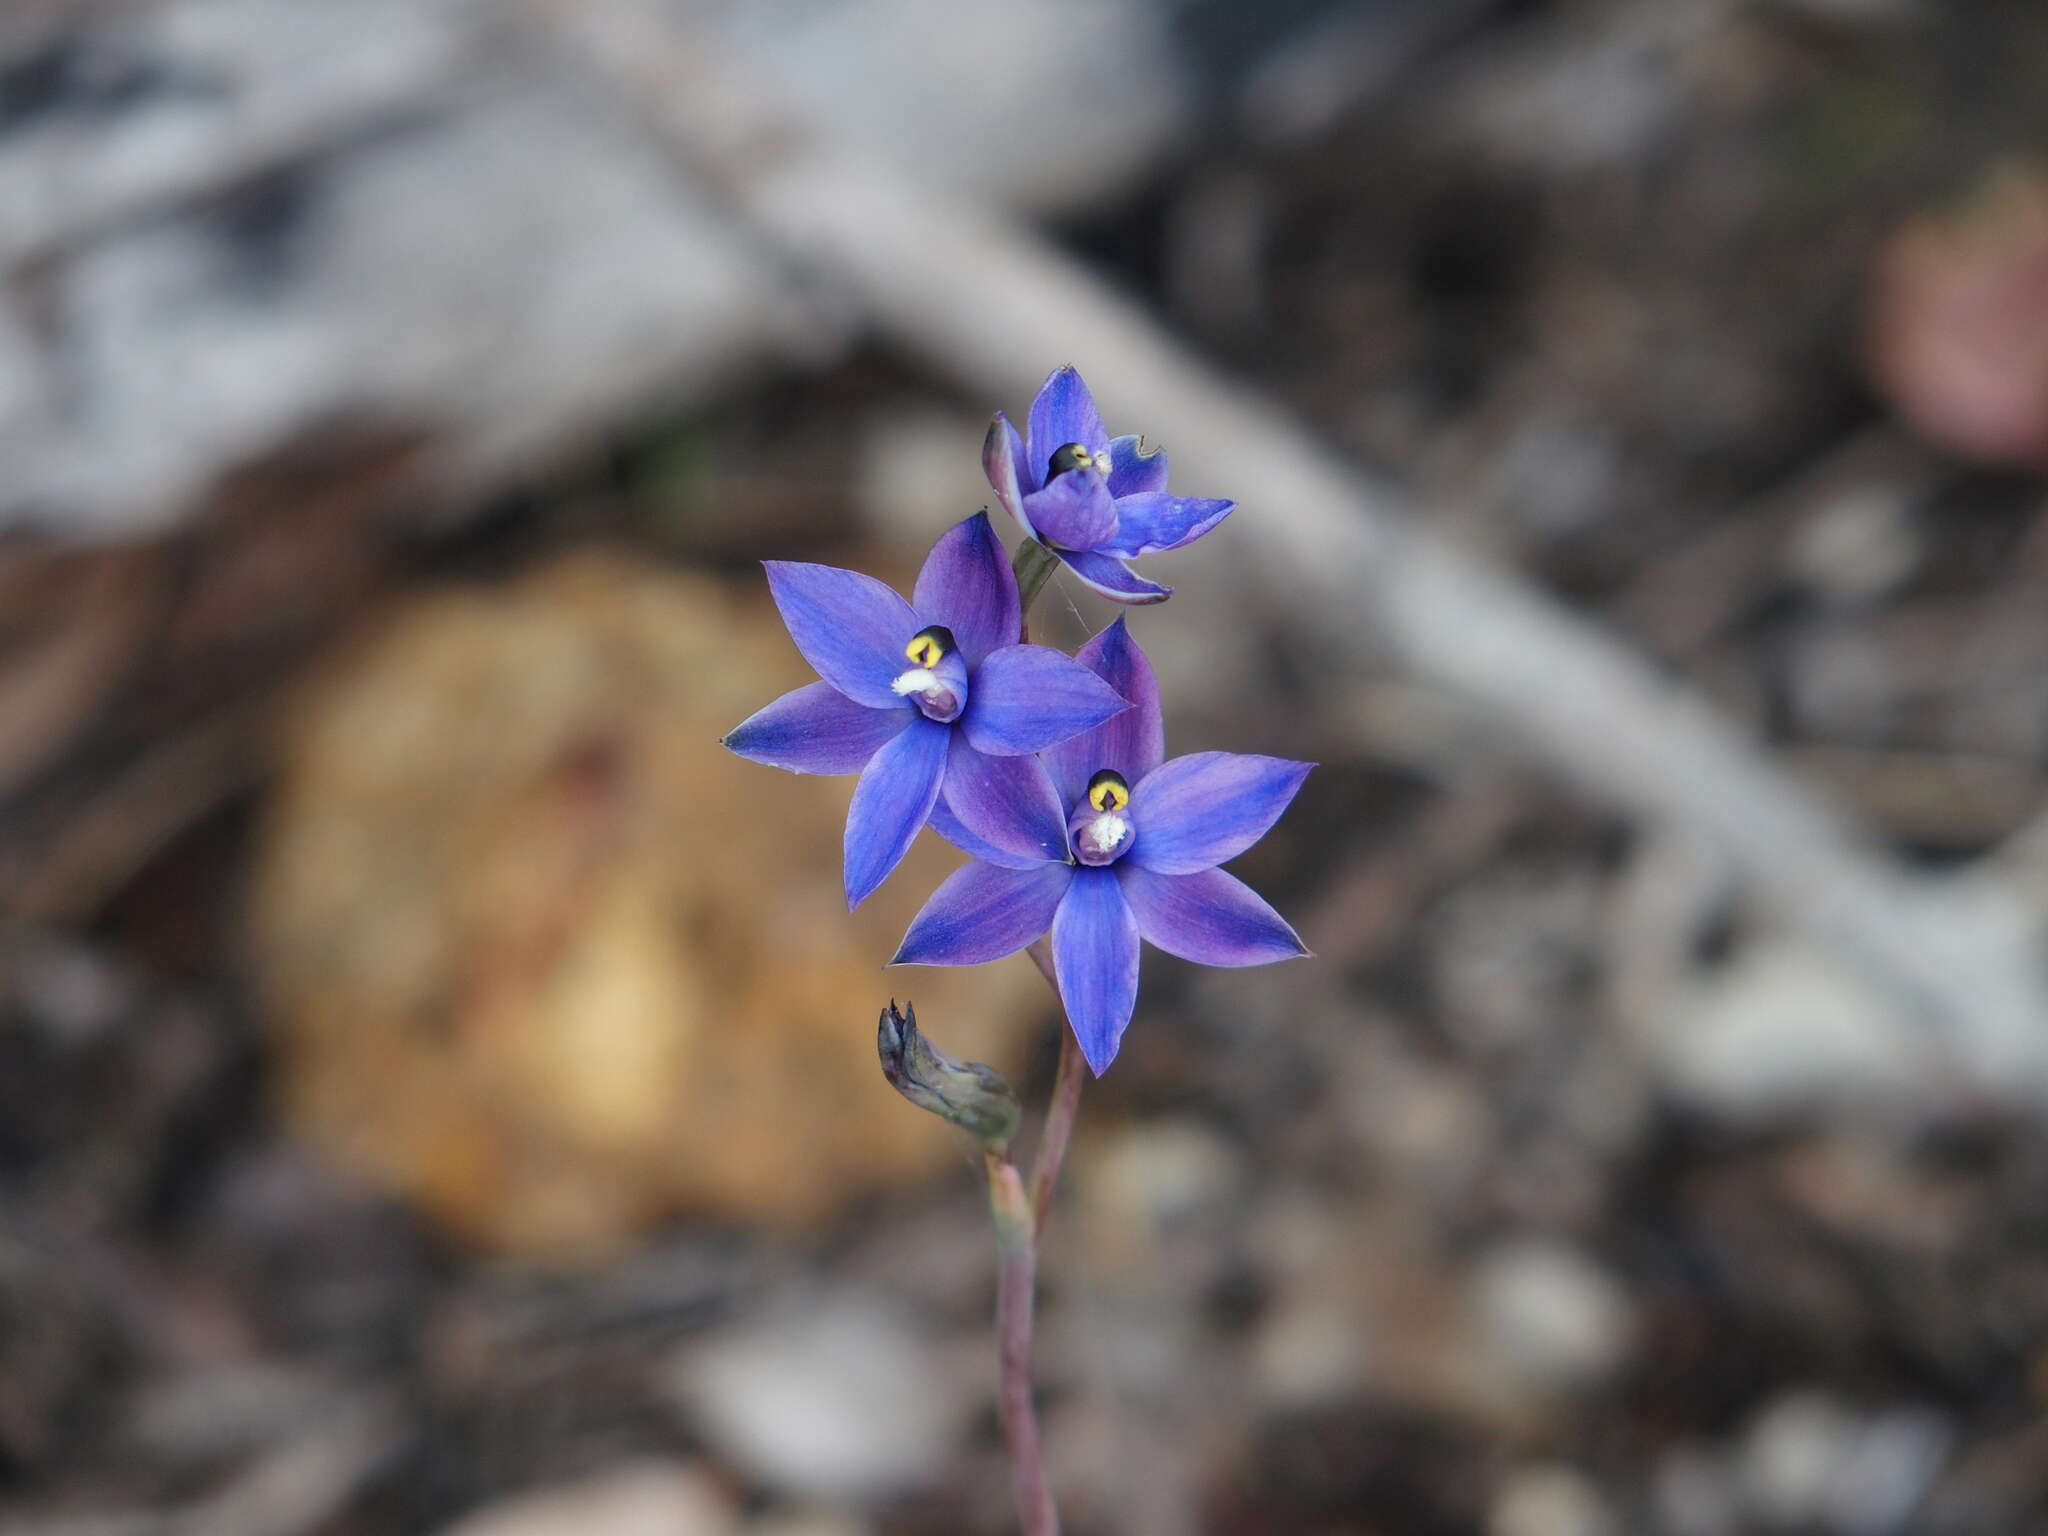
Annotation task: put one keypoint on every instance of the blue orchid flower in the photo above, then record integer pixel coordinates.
(922, 698)
(1137, 841)
(1093, 500)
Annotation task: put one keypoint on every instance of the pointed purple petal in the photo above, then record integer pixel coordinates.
(1095, 954)
(848, 626)
(1206, 808)
(1027, 697)
(1006, 801)
(983, 913)
(949, 826)
(1211, 918)
(1009, 472)
(1063, 413)
(1134, 468)
(1153, 521)
(1074, 511)
(893, 799)
(1113, 579)
(967, 586)
(1134, 742)
(817, 729)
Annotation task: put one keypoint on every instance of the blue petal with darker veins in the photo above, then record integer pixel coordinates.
(1095, 957)
(966, 585)
(850, 627)
(983, 912)
(1064, 412)
(1134, 468)
(1211, 918)
(1131, 743)
(1074, 510)
(1155, 521)
(817, 729)
(1025, 698)
(1198, 811)
(1009, 472)
(1006, 801)
(1112, 578)
(949, 826)
(892, 800)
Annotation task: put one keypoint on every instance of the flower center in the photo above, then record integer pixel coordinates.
(936, 680)
(1073, 456)
(1099, 830)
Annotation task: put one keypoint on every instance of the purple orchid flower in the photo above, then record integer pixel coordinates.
(1140, 841)
(922, 697)
(1093, 500)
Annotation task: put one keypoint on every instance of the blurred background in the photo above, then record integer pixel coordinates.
(437, 1087)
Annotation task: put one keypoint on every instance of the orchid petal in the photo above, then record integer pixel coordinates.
(1063, 413)
(967, 586)
(1112, 578)
(1132, 743)
(1073, 510)
(1009, 472)
(892, 800)
(1027, 697)
(1134, 468)
(848, 626)
(1211, 918)
(1204, 809)
(817, 729)
(1007, 801)
(1095, 956)
(1153, 521)
(948, 825)
(983, 913)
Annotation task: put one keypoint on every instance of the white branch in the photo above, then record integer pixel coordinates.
(983, 299)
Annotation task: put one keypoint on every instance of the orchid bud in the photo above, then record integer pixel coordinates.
(972, 1096)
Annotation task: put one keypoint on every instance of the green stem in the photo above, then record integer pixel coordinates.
(1033, 566)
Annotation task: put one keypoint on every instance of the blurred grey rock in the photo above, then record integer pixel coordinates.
(1810, 1462)
(1782, 1028)
(1553, 1316)
(253, 227)
(1693, 1493)
(1308, 1353)
(1550, 1501)
(1793, 1454)
(840, 1400)
(1157, 1175)
(653, 1498)
(1859, 544)
(1889, 1471)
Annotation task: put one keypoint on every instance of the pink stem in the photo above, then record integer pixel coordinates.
(1059, 1127)
(1020, 1219)
(1017, 1279)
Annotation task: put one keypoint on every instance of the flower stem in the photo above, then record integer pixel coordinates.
(1033, 566)
(1020, 1217)
(1060, 1111)
(1017, 1280)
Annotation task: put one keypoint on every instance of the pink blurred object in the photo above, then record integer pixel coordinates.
(1959, 322)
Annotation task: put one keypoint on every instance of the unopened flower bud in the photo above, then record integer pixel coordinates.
(972, 1096)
